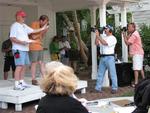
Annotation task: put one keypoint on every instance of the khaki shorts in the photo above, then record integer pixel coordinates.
(36, 56)
(137, 62)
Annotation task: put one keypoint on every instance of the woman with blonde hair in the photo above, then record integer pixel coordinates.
(59, 83)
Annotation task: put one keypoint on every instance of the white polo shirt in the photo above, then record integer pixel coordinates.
(110, 48)
(20, 32)
(62, 45)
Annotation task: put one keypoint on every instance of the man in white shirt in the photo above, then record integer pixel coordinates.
(19, 32)
(107, 59)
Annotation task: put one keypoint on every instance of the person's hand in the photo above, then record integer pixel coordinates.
(97, 33)
(45, 27)
(124, 34)
(24, 43)
(83, 101)
(97, 41)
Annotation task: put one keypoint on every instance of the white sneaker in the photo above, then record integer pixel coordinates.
(19, 87)
(25, 85)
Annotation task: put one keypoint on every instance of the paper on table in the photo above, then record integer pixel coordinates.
(30, 41)
(124, 109)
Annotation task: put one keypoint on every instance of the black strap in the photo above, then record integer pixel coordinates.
(103, 55)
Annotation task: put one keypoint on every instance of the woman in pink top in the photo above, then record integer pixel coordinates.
(136, 51)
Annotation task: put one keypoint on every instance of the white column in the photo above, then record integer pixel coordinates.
(102, 16)
(93, 46)
(124, 24)
(117, 21)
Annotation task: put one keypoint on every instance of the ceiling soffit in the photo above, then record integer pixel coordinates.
(65, 5)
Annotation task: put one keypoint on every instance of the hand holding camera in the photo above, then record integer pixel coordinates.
(99, 29)
(97, 33)
(46, 26)
(124, 29)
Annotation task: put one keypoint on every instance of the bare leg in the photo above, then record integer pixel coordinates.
(18, 75)
(142, 74)
(42, 68)
(33, 70)
(136, 75)
(22, 72)
(18, 72)
(5, 75)
(13, 74)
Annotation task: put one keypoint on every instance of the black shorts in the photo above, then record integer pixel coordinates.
(9, 63)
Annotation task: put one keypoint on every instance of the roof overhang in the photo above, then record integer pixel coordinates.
(66, 5)
(62, 5)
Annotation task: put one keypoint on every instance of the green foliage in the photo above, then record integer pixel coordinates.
(60, 23)
(118, 49)
(129, 17)
(129, 93)
(82, 14)
(145, 34)
(85, 14)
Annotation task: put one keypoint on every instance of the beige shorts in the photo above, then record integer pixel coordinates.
(137, 62)
(36, 56)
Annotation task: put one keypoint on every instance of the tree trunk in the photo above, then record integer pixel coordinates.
(67, 20)
(82, 46)
(77, 29)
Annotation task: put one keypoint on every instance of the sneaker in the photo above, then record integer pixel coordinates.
(25, 85)
(19, 87)
(98, 91)
(35, 82)
(113, 91)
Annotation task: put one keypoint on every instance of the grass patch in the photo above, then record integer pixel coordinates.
(130, 93)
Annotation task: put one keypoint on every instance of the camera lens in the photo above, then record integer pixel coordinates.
(93, 29)
(124, 29)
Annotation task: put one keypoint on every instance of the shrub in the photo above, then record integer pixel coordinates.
(145, 34)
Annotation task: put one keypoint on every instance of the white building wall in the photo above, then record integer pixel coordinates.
(141, 12)
(7, 17)
(141, 17)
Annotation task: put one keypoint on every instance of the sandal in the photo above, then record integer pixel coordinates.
(133, 85)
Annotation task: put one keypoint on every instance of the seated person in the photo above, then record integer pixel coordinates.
(59, 83)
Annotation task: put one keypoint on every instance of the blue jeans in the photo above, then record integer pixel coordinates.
(106, 62)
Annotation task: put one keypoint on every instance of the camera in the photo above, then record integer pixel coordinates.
(124, 29)
(100, 29)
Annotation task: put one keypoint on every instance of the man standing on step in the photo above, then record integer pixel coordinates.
(36, 49)
(19, 32)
